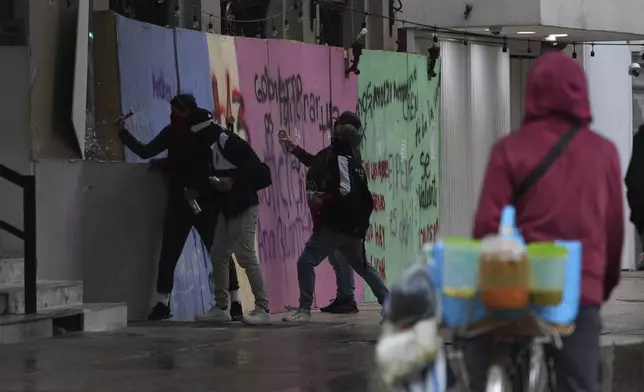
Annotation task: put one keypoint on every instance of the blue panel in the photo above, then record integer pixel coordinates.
(148, 75)
(193, 63)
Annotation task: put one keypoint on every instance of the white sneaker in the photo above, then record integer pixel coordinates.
(258, 316)
(299, 316)
(215, 315)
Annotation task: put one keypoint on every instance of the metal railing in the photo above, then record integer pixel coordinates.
(28, 233)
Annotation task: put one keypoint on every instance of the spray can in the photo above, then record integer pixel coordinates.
(196, 208)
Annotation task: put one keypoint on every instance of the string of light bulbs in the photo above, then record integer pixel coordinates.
(437, 32)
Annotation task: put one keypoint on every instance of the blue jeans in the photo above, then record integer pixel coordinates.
(322, 244)
(344, 278)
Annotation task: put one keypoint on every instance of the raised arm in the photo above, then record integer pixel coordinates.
(303, 156)
(146, 151)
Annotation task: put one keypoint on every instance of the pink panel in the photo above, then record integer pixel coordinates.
(287, 85)
(252, 59)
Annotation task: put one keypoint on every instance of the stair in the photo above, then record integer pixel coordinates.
(60, 308)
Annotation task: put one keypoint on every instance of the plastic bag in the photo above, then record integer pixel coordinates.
(409, 342)
(413, 299)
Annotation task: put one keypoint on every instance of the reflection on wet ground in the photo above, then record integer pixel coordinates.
(334, 354)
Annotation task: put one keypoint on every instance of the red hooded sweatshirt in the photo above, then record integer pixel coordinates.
(580, 196)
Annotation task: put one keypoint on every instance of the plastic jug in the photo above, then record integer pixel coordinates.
(504, 270)
(547, 272)
(461, 258)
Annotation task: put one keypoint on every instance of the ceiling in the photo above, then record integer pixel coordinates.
(541, 32)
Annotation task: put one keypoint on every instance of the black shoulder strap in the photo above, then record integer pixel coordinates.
(545, 164)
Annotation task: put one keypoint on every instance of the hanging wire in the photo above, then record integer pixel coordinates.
(592, 50)
(195, 19)
(505, 44)
(447, 32)
(296, 6)
(574, 50)
(274, 28)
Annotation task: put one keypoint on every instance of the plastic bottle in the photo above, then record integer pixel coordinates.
(504, 274)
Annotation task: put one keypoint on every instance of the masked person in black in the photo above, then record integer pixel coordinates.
(346, 205)
(188, 164)
(316, 178)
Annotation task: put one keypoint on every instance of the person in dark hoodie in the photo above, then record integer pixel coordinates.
(346, 206)
(577, 197)
(316, 178)
(635, 188)
(188, 158)
(237, 175)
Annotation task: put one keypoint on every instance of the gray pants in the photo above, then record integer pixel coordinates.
(344, 278)
(323, 243)
(576, 364)
(237, 236)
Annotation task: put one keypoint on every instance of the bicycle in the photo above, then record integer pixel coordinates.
(519, 363)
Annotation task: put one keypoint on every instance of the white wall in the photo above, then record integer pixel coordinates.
(611, 101)
(599, 15)
(15, 148)
(475, 105)
(100, 223)
(621, 16)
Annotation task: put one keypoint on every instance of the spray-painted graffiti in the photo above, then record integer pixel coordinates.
(230, 110)
(161, 88)
(263, 87)
(296, 105)
(399, 110)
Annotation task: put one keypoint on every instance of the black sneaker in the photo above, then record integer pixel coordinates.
(160, 312)
(329, 307)
(341, 306)
(236, 311)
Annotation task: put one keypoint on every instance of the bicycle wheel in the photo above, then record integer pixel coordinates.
(498, 379)
(537, 379)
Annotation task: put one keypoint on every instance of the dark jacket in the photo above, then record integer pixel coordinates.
(635, 181)
(580, 196)
(189, 155)
(348, 203)
(233, 157)
(316, 175)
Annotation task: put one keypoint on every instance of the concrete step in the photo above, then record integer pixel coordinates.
(98, 317)
(12, 271)
(51, 295)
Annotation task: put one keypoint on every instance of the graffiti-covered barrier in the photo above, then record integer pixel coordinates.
(265, 86)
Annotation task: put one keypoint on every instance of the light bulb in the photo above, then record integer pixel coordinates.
(286, 26)
(195, 22)
(274, 31)
(160, 1)
(211, 28)
(299, 16)
(177, 12)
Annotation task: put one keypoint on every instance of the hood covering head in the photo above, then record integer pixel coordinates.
(557, 87)
(349, 118)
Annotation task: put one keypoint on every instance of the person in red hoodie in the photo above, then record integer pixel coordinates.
(577, 197)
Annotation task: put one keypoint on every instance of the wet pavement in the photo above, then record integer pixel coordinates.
(335, 353)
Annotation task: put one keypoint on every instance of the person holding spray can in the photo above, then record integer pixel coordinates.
(316, 181)
(345, 206)
(187, 163)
